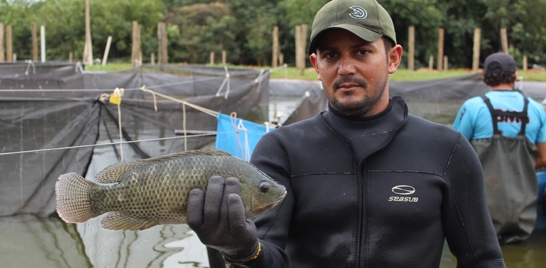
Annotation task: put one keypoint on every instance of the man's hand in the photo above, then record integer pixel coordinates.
(218, 219)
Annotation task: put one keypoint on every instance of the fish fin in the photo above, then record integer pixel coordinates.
(72, 195)
(119, 221)
(114, 173)
(210, 152)
(187, 153)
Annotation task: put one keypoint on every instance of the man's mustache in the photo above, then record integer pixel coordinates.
(350, 79)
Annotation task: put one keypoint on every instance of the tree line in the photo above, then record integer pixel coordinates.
(243, 27)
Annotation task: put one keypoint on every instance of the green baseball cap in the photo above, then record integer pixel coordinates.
(366, 19)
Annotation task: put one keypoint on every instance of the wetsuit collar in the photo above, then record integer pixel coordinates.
(369, 134)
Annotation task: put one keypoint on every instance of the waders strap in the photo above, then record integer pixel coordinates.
(496, 114)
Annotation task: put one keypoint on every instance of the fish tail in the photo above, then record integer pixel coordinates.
(73, 202)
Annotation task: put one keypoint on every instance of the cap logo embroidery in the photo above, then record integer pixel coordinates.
(359, 13)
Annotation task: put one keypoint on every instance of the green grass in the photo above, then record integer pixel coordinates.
(108, 67)
(407, 75)
(310, 74)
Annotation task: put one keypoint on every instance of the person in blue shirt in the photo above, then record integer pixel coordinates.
(508, 131)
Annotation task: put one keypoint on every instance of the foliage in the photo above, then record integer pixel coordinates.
(259, 41)
(243, 27)
(203, 28)
(64, 21)
(425, 17)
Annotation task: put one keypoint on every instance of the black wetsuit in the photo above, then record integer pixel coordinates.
(380, 192)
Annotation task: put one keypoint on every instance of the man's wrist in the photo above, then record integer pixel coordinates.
(254, 256)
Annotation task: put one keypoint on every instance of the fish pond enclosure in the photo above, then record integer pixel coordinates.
(57, 118)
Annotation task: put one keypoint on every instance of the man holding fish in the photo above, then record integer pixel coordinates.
(368, 185)
(363, 184)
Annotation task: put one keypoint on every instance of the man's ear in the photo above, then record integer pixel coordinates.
(395, 57)
(314, 60)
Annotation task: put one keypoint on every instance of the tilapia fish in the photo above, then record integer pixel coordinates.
(141, 194)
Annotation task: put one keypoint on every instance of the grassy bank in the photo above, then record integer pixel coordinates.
(406, 75)
(309, 73)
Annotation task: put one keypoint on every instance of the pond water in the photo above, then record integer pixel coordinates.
(28, 241)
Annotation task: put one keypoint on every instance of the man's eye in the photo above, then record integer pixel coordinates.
(362, 52)
(330, 55)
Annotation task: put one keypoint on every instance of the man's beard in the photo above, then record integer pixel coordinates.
(357, 108)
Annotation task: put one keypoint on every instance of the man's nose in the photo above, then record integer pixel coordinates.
(346, 66)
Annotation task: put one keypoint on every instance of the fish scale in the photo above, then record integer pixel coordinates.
(145, 193)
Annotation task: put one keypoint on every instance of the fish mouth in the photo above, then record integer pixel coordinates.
(253, 212)
(279, 199)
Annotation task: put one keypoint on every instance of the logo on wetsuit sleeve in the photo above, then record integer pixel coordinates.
(403, 191)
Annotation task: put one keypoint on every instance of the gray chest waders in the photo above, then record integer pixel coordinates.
(511, 183)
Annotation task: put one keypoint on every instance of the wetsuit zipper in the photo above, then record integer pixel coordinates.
(362, 184)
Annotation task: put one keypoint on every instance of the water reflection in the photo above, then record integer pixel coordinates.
(442, 112)
(28, 241)
(159, 246)
(529, 254)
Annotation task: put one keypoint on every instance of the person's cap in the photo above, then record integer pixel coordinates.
(506, 62)
(366, 19)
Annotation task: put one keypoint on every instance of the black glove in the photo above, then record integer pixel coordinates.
(218, 219)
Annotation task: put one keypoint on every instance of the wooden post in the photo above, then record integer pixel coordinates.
(440, 48)
(34, 41)
(107, 50)
(212, 58)
(525, 63)
(9, 49)
(162, 54)
(476, 53)
(42, 43)
(504, 40)
(70, 56)
(430, 63)
(298, 40)
(2, 42)
(411, 48)
(224, 56)
(88, 48)
(275, 48)
(445, 64)
(281, 59)
(301, 42)
(135, 51)
(152, 58)
(303, 45)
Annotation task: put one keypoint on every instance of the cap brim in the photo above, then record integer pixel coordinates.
(363, 33)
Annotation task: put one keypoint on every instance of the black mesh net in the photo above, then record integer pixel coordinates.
(52, 115)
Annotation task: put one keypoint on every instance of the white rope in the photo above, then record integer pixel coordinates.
(115, 98)
(197, 107)
(28, 67)
(103, 144)
(246, 152)
(78, 67)
(184, 127)
(101, 90)
(226, 80)
(233, 120)
(120, 134)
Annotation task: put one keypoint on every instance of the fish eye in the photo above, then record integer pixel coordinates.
(264, 187)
